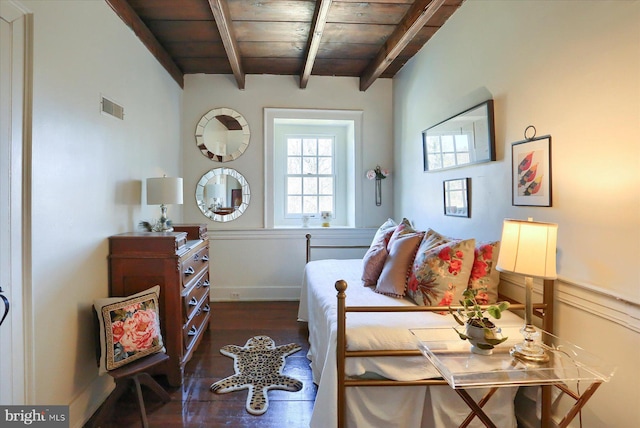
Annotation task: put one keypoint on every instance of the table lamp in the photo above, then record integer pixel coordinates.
(164, 191)
(528, 248)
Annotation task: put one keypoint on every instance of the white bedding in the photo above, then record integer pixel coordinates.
(380, 406)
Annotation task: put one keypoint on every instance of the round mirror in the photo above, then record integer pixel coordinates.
(222, 194)
(222, 134)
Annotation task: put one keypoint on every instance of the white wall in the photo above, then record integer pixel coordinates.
(571, 69)
(245, 242)
(88, 170)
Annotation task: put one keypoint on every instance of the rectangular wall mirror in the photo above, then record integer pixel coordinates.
(464, 139)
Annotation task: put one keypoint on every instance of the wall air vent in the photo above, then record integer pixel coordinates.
(111, 108)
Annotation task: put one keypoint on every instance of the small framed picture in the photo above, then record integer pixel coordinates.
(531, 172)
(456, 197)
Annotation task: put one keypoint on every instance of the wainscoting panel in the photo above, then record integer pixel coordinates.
(268, 264)
(588, 298)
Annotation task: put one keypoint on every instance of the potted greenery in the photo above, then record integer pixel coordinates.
(481, 332)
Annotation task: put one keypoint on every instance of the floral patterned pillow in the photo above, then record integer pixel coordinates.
(440, 274)
(484, 275)
(129, 328)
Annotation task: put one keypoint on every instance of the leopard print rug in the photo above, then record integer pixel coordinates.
(258, 366)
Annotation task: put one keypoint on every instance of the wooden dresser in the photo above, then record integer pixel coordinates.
(178, 262)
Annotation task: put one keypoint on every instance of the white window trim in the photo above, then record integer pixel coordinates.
(270, 115)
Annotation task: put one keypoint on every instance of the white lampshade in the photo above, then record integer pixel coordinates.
(528, 248)
(164, 190)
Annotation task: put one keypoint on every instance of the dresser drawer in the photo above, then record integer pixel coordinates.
(196, 325)
(194, 264)
(196, 297)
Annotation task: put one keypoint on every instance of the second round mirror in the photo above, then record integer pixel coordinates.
(223, 194)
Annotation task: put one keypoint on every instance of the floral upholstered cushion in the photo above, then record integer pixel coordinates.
(440, 274)
(393, 278)
(374, 259)
(129, 328)
(484, 275)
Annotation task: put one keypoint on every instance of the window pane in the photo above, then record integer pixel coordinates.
(455, 184)
(457, 198)
(294, 185)
(294, 146)
(447, 143)
(310, 185)
(310, 146)
(326, 186)
(462, 143)
(309, 165)
(294, 165)
(324, 165)
(294, 204)
(310, 204)
(463, 158)
(435, 161)
(326, 203)
(449, 159)
(325, 147)
(433, 144)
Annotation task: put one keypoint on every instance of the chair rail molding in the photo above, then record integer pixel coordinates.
(589, 298)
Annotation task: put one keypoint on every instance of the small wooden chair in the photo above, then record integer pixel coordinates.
(135, 372)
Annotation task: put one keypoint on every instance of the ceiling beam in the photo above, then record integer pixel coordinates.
(133, 21)
(221, 14)
(315, 36)
(420, 12)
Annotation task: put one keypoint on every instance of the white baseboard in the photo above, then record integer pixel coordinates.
(265, 293)
(87, 402)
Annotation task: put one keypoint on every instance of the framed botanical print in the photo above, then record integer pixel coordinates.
(531, 172)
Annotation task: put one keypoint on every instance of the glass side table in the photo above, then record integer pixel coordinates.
(568, 364)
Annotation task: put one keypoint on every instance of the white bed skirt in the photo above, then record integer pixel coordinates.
(415, 406)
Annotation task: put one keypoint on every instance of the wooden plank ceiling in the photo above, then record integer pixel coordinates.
(365, 39)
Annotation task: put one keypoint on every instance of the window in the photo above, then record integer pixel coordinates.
(448, 150)
(311, 166)
(310, 175)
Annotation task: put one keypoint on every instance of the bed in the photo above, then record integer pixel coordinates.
(366, 364)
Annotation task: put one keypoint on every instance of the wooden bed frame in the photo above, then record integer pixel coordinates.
(543, 310)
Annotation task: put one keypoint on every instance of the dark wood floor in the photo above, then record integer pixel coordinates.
(194, 405)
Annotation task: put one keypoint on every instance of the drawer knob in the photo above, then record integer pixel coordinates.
(192, 331)
(206, 283)
(193, 301)
(207, 308)
(189, 271)
(205, 258)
